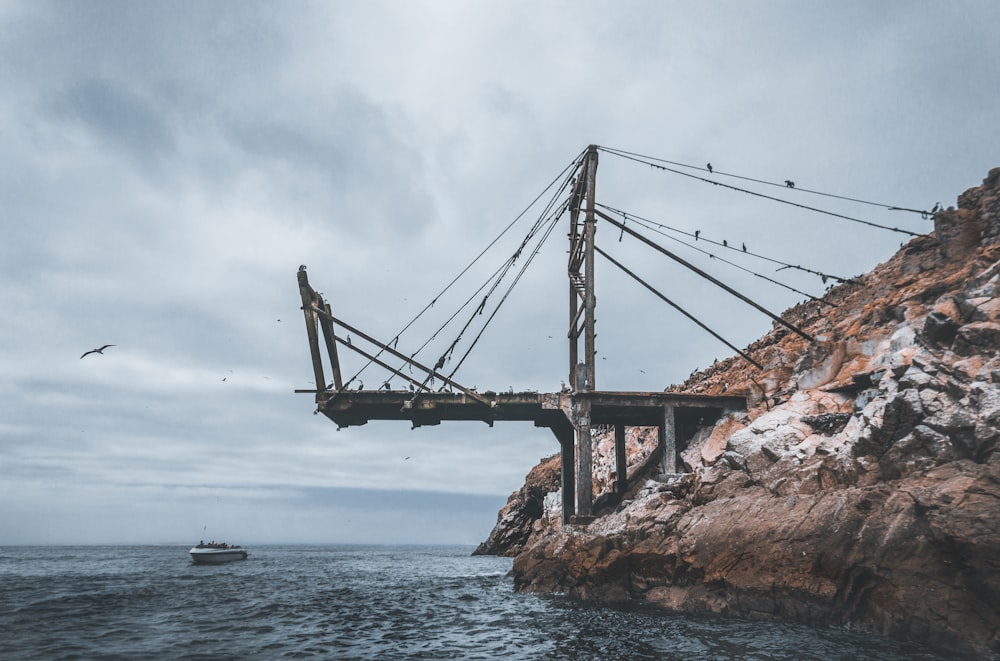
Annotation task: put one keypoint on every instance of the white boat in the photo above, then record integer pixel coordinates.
(215, 554)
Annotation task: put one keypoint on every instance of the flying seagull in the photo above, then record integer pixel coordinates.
(100, 351)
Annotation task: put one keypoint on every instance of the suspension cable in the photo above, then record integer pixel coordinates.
(571, 167)
(767, 197)
(889, 207)
(524, 267)
(658, 228)
(677, 307)
(703, 274)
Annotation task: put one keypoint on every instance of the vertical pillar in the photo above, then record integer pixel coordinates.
(574, 340)
(331, 345)
(566, 438)
(590, 302)
(668, 440)
(620, 468)
(308, 300)
(584, 458)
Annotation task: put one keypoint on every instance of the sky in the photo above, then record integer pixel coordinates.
(165, 168)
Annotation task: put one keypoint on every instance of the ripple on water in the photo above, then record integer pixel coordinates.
(355, 603)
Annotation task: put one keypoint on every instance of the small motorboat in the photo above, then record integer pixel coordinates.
(215, 554)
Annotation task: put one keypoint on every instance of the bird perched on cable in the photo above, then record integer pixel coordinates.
(937, 207)
(697, 233)
(744, 247)
(725, 243)
(709, 166)
(789, 183)
(100, 351)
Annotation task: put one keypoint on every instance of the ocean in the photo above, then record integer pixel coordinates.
(355, 602)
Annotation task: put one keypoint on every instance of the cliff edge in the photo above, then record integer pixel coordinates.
(862, 486)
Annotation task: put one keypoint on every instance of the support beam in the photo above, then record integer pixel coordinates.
(620, 466)
(584, 458)
(668, 440)
(331, 346)
(590, 300)
(308, 309)
(564, 434)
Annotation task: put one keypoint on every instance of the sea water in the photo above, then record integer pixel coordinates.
(355, 602)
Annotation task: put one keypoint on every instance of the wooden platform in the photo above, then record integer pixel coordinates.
(646, 409)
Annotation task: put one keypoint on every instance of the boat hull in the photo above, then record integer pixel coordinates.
(213, 556)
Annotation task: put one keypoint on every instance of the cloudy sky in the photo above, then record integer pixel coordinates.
(166, 167)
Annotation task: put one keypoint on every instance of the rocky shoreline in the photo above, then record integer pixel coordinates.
(862, 486)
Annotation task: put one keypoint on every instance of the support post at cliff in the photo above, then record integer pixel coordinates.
(584, 459)
(620, 468)
(668, 441)
(565, 435)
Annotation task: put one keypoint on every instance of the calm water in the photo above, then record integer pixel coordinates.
(333, 602)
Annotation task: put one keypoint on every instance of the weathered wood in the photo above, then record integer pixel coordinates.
(668, 440)
(308, 310)
(331, 345)
(584, 458)
(574, 314)
(640, 409)
(564, 434)
(590, 228)
(621, 467)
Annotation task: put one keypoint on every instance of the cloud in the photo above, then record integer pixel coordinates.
(165, 169)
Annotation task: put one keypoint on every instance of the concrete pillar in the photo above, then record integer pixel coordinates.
(668, 441)
(566, 437)
(584, 458)
(620, 466)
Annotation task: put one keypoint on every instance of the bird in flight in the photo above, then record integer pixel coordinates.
(100, 351)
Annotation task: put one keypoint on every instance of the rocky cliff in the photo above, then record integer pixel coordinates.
(862, 486)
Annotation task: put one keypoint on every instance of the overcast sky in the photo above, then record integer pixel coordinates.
(166, 167)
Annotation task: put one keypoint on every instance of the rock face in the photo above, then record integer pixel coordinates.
(863, 485)
(535, 509)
